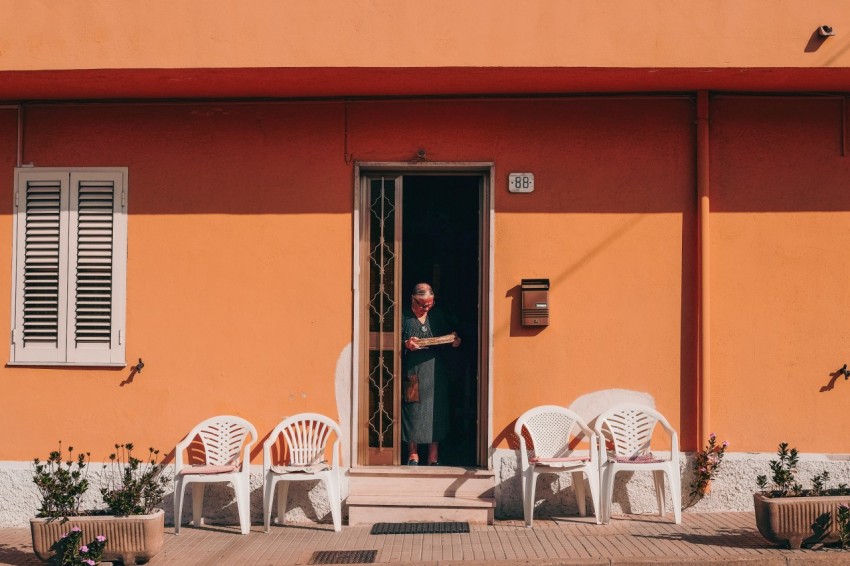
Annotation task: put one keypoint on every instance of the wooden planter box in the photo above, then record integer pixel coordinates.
(795, 521)
(131, 538)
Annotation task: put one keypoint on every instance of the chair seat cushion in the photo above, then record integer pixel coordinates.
(204, 469)
(536, 460)
(637, 459)
(308, 469)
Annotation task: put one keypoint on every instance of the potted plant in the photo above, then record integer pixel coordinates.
(130, 527)
(788, 514)
(706, 466)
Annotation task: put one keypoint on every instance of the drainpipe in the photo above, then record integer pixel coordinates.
(704, 307)
(20, 135)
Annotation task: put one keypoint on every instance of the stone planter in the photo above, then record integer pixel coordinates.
(795, 521)
(129, 539)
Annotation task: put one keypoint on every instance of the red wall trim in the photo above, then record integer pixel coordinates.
(338, 82)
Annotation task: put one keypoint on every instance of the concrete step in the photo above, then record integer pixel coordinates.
(370, 509)
(442, 481)
(396, 494)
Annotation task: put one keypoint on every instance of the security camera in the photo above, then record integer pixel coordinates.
(825, 31)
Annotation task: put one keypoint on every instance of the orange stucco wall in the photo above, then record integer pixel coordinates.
(779, 272)
(86, 34)
(240, 272)
(234, 216)
(615, 197)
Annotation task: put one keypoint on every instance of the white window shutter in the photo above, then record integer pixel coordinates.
(97, 267)
(39, 310)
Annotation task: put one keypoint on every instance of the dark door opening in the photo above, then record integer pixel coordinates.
(441, 227)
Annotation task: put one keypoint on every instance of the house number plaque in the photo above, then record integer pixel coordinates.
(521, 182)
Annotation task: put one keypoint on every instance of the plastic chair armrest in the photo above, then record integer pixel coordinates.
(178, 454)
(523, 449)
(245, 462)
(674, 450)
(674, 437)
(267, 452)
(335, 455)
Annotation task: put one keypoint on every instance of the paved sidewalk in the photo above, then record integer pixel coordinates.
(702, 538)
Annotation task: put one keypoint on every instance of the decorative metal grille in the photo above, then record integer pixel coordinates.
(382, 266)
(419, 528)
(343, 557)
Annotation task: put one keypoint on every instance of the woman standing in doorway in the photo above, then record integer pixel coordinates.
(425, 411)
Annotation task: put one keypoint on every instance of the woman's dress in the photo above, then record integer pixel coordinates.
(428, 419)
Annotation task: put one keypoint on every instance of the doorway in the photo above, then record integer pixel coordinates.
(440, 233)
(423, 226)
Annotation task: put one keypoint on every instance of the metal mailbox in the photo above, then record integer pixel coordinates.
(535, 302)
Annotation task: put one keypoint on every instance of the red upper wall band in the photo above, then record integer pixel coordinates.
(340, 82)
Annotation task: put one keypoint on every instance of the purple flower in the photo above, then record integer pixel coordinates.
(725, 444)
(712, 436)
(76, 529)
(91, 562)
(101, 538)
(84, 548)
(844, 506)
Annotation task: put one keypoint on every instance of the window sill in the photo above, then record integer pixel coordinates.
(115, 365)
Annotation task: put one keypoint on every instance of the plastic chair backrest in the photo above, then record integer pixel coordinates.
(550, 428)
(223, 438)
(306, 436)
(628, 428)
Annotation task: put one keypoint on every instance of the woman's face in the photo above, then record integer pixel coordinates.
(423, 297)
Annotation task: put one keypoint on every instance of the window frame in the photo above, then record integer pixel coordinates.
(66, 352)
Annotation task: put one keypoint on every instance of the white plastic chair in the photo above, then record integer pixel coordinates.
(554, 431)
(227, 453)
(304, 438)
(625, 434)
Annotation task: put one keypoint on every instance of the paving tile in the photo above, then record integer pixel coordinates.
(703, 538)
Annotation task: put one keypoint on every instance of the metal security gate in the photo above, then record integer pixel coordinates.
(382, 250)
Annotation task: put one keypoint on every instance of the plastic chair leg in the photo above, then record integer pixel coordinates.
(243, 504)
(282, 492)
(268, 500)
(660, 495)
(528, 497)
(524, 486)
(197, 503)
(178, 503)
(608, 494)
(333, 498)
(593, 484)
(578, 487)
(676, 491)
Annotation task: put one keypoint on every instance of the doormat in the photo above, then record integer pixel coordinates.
(419, 528)
(343, 557)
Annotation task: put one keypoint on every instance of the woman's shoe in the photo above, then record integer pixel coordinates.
(434, 463)
(412, 462)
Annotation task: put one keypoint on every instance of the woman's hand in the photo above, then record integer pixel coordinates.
(456, 342)
(412, 343)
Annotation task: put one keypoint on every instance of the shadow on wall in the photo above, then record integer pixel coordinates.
(630, 155)
(306, 503)
(843, 372)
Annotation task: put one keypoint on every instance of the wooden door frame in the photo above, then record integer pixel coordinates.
(485, 292)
